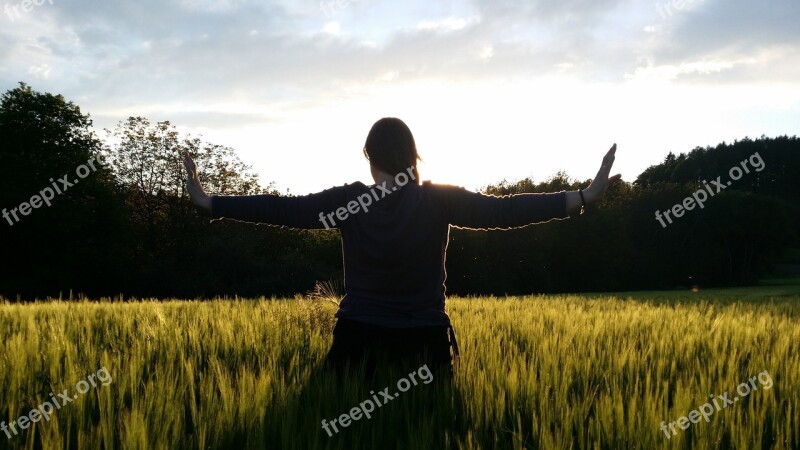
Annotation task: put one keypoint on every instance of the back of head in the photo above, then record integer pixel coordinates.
(390, 147)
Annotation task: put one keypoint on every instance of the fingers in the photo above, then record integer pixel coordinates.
(608, 160)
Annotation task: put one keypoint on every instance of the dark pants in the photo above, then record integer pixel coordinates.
(382, 348)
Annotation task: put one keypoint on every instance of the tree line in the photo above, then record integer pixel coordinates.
(127, 228)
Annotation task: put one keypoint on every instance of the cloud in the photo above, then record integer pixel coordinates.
(283, 53)
(757, 41)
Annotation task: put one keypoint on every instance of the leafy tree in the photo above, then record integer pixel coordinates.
(64, 242)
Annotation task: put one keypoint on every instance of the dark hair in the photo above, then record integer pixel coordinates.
(390, 147)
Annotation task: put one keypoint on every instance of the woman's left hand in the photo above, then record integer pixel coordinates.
(602, 181)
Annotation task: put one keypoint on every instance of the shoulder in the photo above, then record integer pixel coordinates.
(447, 196)
(355, 186)
(442, 190)
(346, 189)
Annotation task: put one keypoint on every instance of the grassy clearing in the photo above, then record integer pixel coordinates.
(537, 372)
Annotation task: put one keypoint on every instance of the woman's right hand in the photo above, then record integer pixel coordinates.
(196, 193)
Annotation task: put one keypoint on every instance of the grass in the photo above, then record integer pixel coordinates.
(553, 372)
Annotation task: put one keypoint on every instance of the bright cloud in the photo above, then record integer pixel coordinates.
(492, 88)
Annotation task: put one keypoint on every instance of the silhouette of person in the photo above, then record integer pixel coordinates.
(394, 242)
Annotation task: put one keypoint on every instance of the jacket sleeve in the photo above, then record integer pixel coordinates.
(473, 210)
(303, 212)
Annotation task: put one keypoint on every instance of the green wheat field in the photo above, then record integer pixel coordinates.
(551, 372)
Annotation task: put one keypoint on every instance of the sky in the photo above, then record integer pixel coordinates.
(491, 89)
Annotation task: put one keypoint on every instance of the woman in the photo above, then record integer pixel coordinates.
(394, 241)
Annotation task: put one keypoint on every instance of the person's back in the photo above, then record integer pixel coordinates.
(394, 242)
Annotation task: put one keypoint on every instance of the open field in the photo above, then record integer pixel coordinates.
(592, 371)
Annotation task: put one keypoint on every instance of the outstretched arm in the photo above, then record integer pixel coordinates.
(478, 211)
(306, 212)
